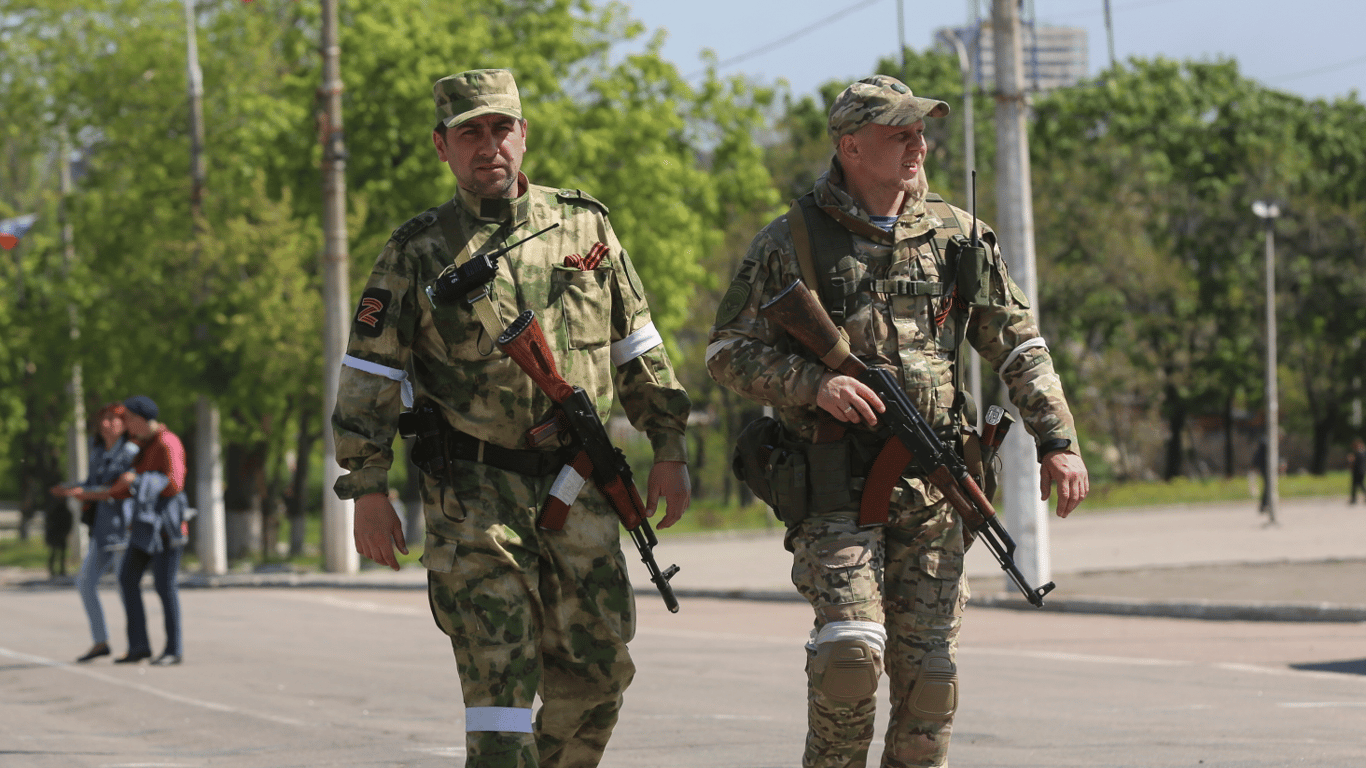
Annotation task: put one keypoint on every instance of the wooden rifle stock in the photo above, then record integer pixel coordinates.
(525, 343)
(797, 311)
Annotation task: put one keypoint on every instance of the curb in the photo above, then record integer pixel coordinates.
(1207, 610)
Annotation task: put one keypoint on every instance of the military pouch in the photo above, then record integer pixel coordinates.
(973, 271)
(430, 453)
(753, 449)
(828, 477)
(787, 477)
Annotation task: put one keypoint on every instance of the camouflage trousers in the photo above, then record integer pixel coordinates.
(530, 613)
(906, 576)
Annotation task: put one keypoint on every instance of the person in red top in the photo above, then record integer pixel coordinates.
(158, 531)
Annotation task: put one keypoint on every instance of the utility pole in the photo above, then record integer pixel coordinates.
(77, 451)
(1267, 212)
(901, 33)
(339, 553)
(1026, 516)
(210, 526)
(1110, 33)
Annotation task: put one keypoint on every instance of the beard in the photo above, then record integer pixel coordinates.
(916, 189)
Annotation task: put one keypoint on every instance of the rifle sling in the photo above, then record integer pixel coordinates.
(483, 306)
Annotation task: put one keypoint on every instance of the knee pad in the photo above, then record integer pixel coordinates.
(935, 693)
(846, 670)
(847, 659)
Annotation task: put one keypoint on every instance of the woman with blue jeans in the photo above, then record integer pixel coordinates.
(111, 454)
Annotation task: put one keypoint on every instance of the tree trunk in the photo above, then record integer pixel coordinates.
(1176, 426)
(298, 498)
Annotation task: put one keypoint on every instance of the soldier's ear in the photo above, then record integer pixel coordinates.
(847, 146)
(439, 141)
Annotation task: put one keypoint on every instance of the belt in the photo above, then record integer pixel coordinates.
(466, 447)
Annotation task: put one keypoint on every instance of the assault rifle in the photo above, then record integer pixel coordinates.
(597, 458)
(912, 441)
(468, 280)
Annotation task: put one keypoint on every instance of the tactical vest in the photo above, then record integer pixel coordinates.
(820, 242)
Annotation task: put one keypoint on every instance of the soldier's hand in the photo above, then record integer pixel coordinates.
(1069, 472)
(848, 399)
(670, 480)
(378, 530)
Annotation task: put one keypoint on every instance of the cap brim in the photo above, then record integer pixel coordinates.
(911, 109)
(465, 117)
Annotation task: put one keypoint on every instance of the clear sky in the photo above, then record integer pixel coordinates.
(1315, 48)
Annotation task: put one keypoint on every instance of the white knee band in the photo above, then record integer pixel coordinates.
(504, 719)
(870, 632)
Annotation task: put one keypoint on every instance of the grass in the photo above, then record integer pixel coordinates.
(708, 516)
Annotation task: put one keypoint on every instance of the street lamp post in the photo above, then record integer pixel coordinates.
(1267, 212)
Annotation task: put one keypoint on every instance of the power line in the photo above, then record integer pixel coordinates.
(1321, 70)
(780, 42)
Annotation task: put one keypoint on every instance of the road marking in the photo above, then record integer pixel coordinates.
(366, 606)
(179, 699)
(1320, 704)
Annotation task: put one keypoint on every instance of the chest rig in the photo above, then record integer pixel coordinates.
(821, 241)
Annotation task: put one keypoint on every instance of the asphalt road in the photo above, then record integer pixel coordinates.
(312, 677)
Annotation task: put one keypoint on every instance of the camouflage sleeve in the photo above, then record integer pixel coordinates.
(748, 354)
(649, 391)
(369, 392)
(1007, 336)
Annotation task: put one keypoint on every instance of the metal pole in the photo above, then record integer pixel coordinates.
(1026, 516)
(339, 553)
(1110, 33)
(77, 450)
(901, 33)
(211, 523)
(1268, 213)
(969, 163)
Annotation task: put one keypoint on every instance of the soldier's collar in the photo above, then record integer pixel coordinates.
(514, 209)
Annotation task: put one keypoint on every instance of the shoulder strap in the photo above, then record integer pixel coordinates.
(820, 243)
(460, 246)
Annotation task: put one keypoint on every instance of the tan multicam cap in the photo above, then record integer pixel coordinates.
(463, 97)
(879, 99)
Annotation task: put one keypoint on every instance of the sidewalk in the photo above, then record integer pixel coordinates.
(1211, 561)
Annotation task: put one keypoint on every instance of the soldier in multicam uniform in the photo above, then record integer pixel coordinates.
(893, 594)
(528, 611)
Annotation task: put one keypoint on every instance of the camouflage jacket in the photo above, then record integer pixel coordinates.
(597, 322)
(890, 322)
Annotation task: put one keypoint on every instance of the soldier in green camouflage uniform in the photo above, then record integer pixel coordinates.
(890, 595)
(528, 611)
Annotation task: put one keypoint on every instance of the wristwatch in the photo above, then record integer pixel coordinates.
(1056, 444)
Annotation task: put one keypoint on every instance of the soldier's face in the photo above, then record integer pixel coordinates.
(485, 154)
(888, 155)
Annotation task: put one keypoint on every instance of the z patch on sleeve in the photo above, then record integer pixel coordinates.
(370, 314)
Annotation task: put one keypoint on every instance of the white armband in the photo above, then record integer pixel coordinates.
(635, 345)
(1016, 352)
(393, 374)
(499, 719)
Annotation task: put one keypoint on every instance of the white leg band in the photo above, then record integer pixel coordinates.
(1020, 350)
(635, 345)
(392, 374)
(870, 632)
(567, 485)
(503, 719)
(714, 347)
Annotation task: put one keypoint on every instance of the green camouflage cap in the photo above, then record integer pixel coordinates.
(468, 95)
(879, 99)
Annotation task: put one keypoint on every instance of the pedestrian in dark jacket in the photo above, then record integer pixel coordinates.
(157, 531)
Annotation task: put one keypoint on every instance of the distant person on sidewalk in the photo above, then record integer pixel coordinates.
(157, 532)
(1356, 464)
(111, 454)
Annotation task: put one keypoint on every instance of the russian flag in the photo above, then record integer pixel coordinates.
(13, 229)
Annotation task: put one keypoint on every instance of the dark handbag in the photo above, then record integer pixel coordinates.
(88, 514)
